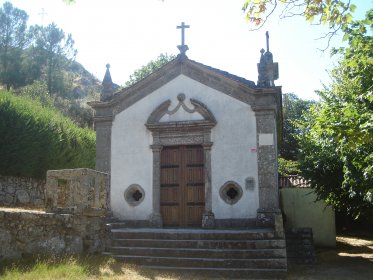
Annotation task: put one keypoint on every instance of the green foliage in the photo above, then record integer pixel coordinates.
(334, 13)
(35, 139)
(293, 109)
(337, 139)
(55, 51)
(38, 90)
(76, 110)
(288, 167)
(149, 68)
(12, 40)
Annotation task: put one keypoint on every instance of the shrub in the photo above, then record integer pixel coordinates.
(35, 139)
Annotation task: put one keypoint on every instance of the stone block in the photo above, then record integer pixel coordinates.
(77, 191)
(23, 197)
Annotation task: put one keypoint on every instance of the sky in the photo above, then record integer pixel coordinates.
(129, 33)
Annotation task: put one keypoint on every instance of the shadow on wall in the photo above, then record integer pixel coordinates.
(301, 210)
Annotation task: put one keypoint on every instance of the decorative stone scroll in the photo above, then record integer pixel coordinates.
(163, 109)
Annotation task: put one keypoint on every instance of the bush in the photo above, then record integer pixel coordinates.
(35, 139)
(288, 167)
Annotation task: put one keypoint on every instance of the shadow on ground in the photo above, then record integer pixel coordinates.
(352, 258)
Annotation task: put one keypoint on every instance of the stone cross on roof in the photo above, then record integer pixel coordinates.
(183, 48)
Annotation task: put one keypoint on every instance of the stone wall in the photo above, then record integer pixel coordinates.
(28, 232)
(20, 191)
(299, 245)
(74, 221)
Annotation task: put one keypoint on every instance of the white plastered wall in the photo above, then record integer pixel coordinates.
(233, 153)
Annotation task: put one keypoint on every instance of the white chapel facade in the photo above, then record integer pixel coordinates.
(191, 146)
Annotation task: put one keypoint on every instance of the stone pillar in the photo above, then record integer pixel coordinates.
(155, 217)
(267, 166)
(208, 218)
(103, 143)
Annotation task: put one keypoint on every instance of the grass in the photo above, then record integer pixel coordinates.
(76, 267)
(351, 259)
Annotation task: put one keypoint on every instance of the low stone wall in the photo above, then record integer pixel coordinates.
(74, 221)
(20, 191)
(24, 232)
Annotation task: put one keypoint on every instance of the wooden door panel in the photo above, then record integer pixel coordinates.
(182, 186)
(170, 156)
(170, 176)
(170, 215)
(170, 195)
(195, 215)
(194, 155)
(194, 175)
(196, 194)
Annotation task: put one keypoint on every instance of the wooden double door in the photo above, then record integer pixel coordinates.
(182, 186)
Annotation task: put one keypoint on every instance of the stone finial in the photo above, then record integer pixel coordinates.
(107, 85)
(267, 69)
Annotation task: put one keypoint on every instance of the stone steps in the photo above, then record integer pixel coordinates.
(200, 244)
(253, 253)
(200, 253)
(223, 273)
(194, 234)
(203, 262)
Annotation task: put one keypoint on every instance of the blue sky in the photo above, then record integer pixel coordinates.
(129, 33)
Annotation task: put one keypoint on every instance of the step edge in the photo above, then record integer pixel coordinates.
(201, 259)
(215, 268)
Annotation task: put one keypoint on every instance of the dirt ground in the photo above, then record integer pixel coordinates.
(352, 258)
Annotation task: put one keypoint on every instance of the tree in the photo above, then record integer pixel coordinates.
(54, 49)
(149, 68)
(336, 143)
(293, 109)
(336, 14)
(13, 38)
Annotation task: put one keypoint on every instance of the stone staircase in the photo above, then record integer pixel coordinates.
(255, 253)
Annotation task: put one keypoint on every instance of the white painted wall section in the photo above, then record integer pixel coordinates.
(233, 152)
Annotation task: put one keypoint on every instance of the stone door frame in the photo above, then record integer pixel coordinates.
(181, 133)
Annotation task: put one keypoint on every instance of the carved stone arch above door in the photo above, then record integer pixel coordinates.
(163, 110)
(181, 132)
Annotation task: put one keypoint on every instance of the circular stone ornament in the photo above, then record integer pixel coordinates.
(181, 97)
(230, 192)
(134, 194)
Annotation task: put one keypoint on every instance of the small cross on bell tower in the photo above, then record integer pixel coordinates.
(183, 48)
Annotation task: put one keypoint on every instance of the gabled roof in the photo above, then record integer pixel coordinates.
(228, 75)
(232, 85)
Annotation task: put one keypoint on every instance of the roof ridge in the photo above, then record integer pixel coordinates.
(227, 74)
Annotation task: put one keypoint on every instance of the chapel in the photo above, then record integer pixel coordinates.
(192, 146)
